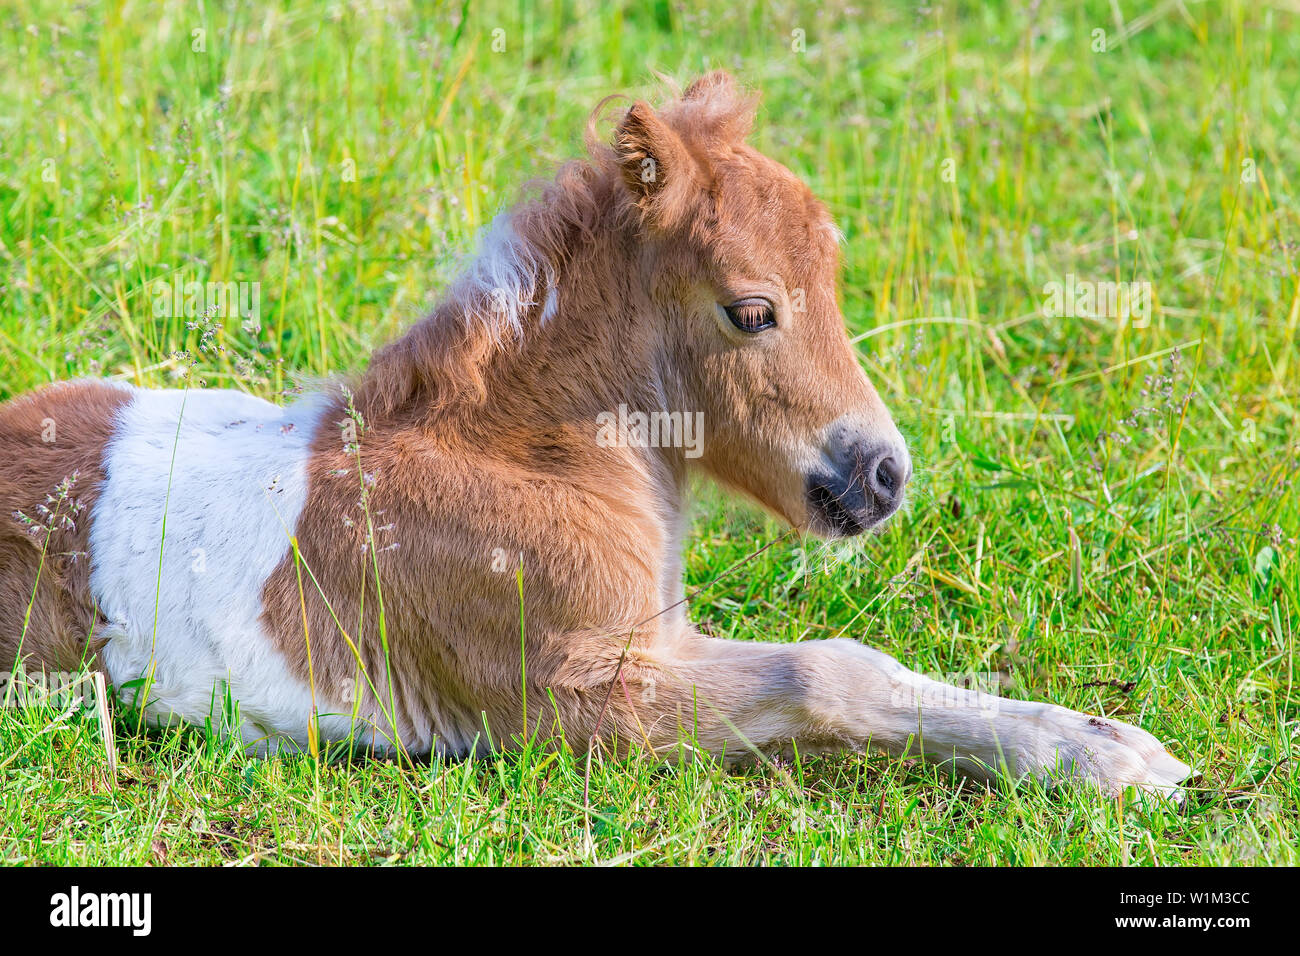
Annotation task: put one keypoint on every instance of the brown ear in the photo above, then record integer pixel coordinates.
(657, 167)
(724, 108)
(719, 81)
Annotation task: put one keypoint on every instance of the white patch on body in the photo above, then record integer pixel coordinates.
(238, 480)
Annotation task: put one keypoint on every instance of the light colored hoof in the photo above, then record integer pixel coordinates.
(1066, 745)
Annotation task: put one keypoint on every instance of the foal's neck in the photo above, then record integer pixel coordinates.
(583, 341)
(598, 353)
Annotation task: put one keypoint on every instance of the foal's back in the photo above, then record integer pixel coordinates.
(50, 477)
(95, 471)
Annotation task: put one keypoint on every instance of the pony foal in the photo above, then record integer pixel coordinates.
(343, 568)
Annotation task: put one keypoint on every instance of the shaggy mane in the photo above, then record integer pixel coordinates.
(526, 251)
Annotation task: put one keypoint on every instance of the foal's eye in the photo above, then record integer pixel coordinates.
(751, 315)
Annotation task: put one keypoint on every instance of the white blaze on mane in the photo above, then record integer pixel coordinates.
(509, 277)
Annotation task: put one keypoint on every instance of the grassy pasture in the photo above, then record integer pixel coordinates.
(1106, 508)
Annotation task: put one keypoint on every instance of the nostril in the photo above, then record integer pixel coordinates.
(888, 476)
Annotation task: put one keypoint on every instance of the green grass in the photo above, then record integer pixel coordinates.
(1168, 453)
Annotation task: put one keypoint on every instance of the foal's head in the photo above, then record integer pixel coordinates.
(740, 264)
